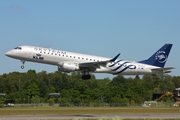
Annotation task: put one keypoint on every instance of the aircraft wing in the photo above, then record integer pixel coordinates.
(163, 70)
(92, 66)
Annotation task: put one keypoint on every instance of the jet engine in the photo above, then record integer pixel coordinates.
(68, 67)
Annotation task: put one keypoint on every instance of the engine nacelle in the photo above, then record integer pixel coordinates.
(68, 67)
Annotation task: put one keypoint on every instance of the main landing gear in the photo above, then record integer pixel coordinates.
(23, 62)
(86, 75)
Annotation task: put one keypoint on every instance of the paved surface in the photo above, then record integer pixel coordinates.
(88, 116)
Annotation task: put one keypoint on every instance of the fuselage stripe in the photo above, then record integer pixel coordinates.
(126, 69)
(119, 66)
(115, 63)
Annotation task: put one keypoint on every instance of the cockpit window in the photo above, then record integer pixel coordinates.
(18, 48)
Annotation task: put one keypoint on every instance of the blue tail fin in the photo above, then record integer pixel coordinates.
(160, 57)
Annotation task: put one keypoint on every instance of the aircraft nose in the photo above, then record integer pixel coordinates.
(9, 53)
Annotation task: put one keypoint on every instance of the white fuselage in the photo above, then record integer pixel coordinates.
(57, 57)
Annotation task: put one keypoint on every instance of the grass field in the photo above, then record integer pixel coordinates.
(85, 110)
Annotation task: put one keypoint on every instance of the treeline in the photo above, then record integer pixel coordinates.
(32, 87)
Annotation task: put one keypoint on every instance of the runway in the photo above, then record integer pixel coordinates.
(87, 116)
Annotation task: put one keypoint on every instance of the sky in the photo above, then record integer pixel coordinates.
(134, 28)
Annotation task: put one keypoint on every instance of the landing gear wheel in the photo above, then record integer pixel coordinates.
(22, 67)
(86, 77)
(23, 62)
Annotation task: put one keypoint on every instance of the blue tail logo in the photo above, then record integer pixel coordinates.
(160, 57)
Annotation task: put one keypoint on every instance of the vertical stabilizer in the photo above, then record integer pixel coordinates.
(160, 57)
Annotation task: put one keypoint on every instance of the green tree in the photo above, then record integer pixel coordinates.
(32, 90)
(176, 81)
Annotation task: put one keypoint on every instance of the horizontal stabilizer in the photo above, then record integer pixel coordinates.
(163, 70)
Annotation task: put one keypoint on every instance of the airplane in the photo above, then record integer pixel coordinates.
(71, 61)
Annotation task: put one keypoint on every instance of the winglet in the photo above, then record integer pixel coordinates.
(112, 60)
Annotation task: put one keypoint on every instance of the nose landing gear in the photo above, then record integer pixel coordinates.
(22, 67)
(23, 62)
